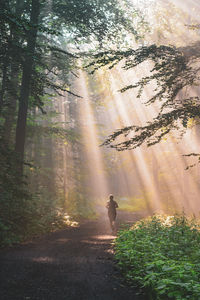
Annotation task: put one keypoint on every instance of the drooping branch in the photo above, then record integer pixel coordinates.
(174, 70)
(154, 131)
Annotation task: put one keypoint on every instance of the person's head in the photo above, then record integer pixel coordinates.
(111, 197)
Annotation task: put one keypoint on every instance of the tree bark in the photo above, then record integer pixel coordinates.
(15, 69)
(3, 86)
(25, 85)
(4, 68)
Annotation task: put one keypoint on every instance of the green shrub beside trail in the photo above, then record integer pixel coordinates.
(162, 255)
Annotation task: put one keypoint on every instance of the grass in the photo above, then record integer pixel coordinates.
(131, 204)
(161, 254)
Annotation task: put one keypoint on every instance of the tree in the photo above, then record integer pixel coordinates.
(175, 70)
(41, 43)
(26, 78)
(34, 22)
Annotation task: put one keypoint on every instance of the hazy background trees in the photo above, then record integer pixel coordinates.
(42, 43)
(54, 116)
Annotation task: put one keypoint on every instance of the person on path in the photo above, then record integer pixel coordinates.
(111, 206)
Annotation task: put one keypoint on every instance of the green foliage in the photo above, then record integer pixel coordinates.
(100, 21)
(22, 214)
(78, 205)
(30, 205)
(65, 135)
(173, 70)
(11, 193)
(155, 131)
(161, 254)
(134, 204)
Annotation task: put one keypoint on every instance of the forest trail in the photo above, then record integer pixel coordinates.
(71, 264)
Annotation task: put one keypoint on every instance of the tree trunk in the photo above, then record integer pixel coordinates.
(4, 67)
(11, 110)
(25, 86)
(15, 69)
(3, 86)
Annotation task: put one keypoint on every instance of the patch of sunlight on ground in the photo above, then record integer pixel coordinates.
(103, 237)
(43, 259)
(69, 222)
(62, 240)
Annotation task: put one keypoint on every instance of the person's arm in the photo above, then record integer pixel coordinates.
(116, 205)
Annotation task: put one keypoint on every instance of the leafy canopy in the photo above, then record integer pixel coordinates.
(175, 70)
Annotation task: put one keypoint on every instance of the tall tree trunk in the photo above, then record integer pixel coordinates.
(5, 64)
(25, 86)
(15, 69)
(3, 85)
(11, 108)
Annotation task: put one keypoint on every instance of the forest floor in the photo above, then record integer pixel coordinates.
(71, 264)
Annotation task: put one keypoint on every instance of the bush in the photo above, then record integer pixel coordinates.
(162, 255)
(22, 214)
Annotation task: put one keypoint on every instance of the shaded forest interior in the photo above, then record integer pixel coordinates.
(77, 74)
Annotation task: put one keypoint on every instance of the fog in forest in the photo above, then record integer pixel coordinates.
(72, 80)
(151, 179)
(100, 149)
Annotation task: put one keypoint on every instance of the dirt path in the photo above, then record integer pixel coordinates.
(72, 264)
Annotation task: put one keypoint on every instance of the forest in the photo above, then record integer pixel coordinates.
(99, 98)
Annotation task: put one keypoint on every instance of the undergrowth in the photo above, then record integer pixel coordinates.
(161, 254)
